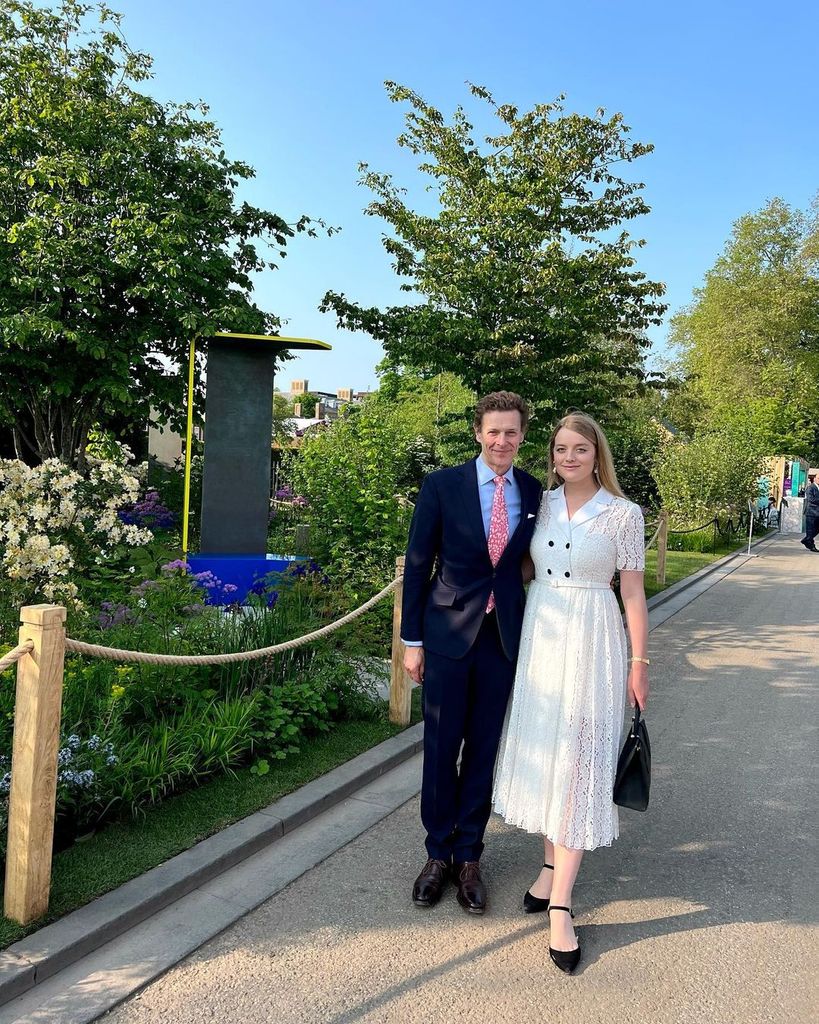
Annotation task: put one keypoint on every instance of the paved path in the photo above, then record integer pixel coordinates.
(704, 911)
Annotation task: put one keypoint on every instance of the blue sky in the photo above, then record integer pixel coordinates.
(726, 91)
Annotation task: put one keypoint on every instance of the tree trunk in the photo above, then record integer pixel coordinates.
(60, 431)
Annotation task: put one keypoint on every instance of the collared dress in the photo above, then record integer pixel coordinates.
(558, 753)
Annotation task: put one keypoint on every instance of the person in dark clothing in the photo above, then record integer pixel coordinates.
(461, 620)
(811, 513)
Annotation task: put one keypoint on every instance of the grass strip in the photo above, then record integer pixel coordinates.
(123, 850)
(679, 564)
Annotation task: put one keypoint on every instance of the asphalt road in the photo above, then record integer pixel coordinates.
(705, 910)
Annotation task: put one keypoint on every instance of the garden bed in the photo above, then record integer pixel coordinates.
(123, 850)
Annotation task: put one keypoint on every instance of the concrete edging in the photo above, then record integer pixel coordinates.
(54, 947)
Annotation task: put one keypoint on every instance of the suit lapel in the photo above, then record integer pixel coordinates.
(472, 503)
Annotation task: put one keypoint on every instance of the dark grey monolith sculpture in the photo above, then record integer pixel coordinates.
(238, 424)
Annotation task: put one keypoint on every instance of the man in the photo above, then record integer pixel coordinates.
(461, 627)
(811, 513)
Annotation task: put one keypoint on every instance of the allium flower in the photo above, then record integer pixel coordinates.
(177, 565)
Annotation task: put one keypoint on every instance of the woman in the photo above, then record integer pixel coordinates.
(558, 754)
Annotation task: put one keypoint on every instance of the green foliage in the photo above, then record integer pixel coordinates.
(712, 475)
(122, 235)
(526, 277)
(351, 474)
(637, 442)
(749, 342)
(437, 409)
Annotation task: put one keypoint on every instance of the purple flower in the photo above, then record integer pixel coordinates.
(142, 588)
(300, 502)
(112, 615)
(284, 493)
(176, 564)
(149, 512)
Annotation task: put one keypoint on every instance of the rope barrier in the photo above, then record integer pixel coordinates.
(15, 655)
(115, 654)
(696, 528)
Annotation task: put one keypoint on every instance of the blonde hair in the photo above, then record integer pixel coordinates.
(604, 471)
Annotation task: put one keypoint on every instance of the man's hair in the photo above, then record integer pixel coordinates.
(502, 401)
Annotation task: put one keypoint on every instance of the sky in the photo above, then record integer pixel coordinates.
(727, 92)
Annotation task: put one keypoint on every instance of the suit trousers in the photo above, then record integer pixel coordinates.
(464, 702)
(811, 528)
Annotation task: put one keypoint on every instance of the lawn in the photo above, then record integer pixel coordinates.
(679, 564)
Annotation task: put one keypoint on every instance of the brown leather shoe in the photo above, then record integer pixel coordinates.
(430, 883)
(471, 890)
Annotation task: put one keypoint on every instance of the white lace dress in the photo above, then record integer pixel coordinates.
(561, 739)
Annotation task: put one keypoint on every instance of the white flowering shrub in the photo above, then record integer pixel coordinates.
(54, 522)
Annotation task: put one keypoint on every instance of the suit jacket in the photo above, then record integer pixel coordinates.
(445, 610)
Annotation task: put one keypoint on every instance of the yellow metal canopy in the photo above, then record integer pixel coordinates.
(300, 343)
(275, 339)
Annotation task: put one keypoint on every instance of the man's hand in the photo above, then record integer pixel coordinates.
(414, 663)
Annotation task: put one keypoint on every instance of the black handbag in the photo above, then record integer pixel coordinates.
(633, 777)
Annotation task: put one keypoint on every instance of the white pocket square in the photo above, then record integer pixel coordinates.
(531, 515)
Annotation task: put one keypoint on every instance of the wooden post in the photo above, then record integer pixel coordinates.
(302, 539)
(400, 682)
(34, 763)
(662, 546)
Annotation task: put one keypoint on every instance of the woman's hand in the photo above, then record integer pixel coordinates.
(638, 684)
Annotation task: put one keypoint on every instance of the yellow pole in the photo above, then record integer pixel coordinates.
(188, 443)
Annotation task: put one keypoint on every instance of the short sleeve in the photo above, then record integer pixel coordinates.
(631, 552)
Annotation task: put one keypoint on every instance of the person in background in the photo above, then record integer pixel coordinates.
(811, 513)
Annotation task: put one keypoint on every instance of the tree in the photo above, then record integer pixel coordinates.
(120, 234)
(749, 342)
(355, 475)
(525, 276)
(713, 475)
(437, 409)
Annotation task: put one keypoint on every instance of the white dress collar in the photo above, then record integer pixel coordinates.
(598, 503)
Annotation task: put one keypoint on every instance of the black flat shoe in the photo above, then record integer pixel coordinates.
(534, 904)
(566, 960)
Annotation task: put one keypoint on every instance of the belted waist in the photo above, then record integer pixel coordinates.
(576, 584)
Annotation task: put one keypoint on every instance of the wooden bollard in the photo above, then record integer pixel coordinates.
(302, 538)
(34, 763)
(662, 546)
(400, 682)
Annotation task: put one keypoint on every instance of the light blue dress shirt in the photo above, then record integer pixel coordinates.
(486, 492)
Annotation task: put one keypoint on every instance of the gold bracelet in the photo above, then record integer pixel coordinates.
(645, 661)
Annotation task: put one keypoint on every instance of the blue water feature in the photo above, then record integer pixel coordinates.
(240, 570)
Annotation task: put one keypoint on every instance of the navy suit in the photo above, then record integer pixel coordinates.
(469, 655)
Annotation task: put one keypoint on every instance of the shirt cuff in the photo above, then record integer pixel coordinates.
(412, 643)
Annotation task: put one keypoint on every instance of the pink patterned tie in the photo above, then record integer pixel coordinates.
(498, 530)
